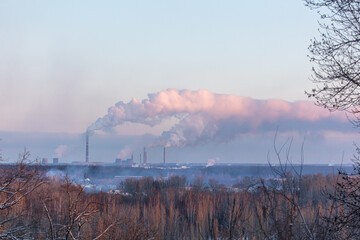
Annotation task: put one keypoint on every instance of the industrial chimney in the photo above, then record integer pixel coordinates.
(164, 155)
(87, 147)
(145, 156)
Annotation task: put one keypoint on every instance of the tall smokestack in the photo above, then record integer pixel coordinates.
(145, 156)
(87, 147)
(164, 155)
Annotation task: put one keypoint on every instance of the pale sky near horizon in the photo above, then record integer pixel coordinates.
(63, 63)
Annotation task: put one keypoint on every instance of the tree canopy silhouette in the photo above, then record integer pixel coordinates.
(336, 55)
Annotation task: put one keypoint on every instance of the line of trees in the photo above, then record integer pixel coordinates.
(288, 206)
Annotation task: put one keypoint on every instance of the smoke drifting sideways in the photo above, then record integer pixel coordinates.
(60, 151)
(125, 152)
(205, 116)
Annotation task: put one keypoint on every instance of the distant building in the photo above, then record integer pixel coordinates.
(55, 160)
(126, 162)
(95, 163)
(44, 161)
(87, 163)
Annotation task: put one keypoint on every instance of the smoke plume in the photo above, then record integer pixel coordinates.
(60, 151)
(212, 161)
(205, 116)
(125, 152)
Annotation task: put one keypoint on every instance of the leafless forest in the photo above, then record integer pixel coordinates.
(291, 206)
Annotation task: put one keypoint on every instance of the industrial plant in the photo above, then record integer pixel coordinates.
(127, 162)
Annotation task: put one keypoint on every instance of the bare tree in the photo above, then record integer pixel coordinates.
(346, 196)
(16, 183)
(283, 211)
(78, 211)
(337, 74)
(336, 55)
(1, 153)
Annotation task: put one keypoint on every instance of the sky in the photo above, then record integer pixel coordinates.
(65, 64)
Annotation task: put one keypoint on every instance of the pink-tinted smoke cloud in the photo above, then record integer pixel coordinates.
(205, 116)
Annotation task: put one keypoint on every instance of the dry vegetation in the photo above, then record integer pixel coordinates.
(290, 207)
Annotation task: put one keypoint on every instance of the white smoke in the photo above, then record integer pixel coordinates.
(212, 161)
(60, 151)
(205, 116)
(125, 152)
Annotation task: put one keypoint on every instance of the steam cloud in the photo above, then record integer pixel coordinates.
(212, 161)
(60, 151)
(205, 116)
(125, 152)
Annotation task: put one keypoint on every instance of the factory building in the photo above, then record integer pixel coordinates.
(44, 161)
(126, 162)
(118, 161)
